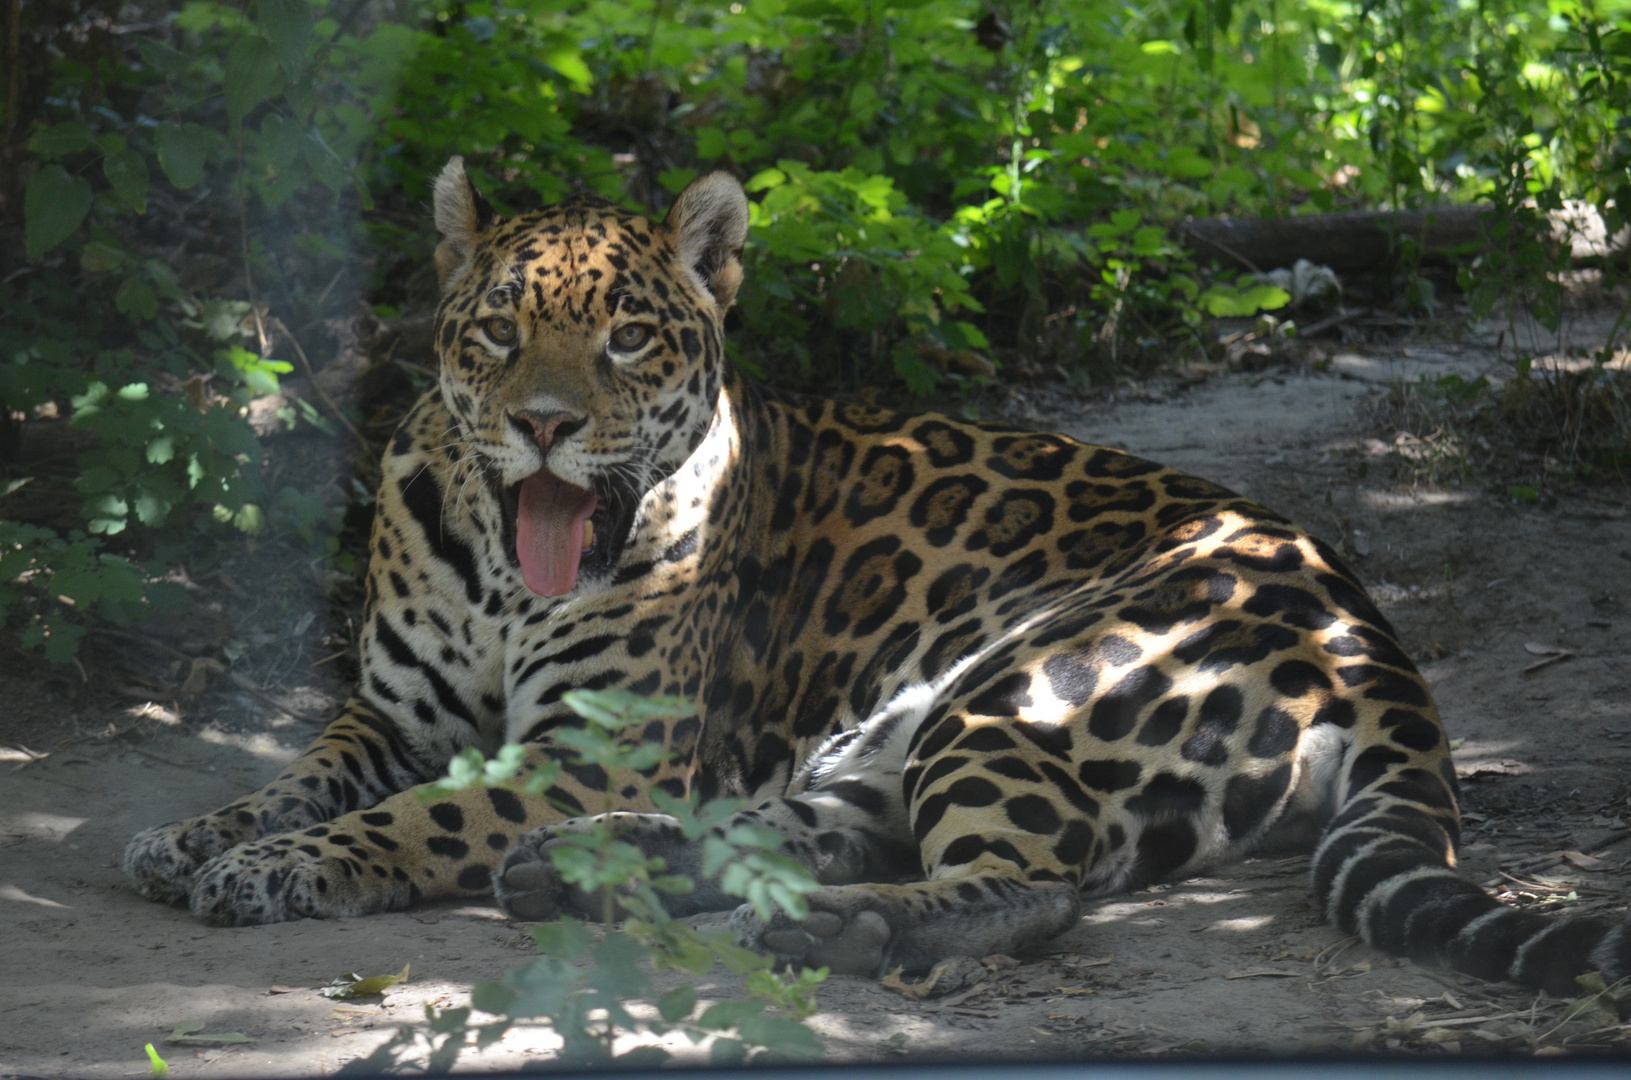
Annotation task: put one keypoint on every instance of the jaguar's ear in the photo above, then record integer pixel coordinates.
(710, 224)
(461, 214)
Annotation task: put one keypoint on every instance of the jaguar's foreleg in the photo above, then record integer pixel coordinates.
(358, 760)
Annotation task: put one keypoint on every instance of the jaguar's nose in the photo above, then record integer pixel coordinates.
(545, 428)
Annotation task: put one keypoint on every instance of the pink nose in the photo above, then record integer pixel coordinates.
(546, 428)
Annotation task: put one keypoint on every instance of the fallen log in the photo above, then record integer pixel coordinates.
(1366, 240)
(1348, 242)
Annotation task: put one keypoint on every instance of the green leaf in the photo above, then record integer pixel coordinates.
(784, 1038)
(249, 519)
(160, 1066)
(643, 1057)
(169, 62)
(570, 65)
(504, 765)
(674, 180)
(919, 376)
(677, 1004)
(566, 939)
(223, 319)
(324, 163)
(136, 299)
(151, 510)
(98, 258)
(765, 179)
(617, 970)
(251, 75)
(541, 988)
(261, 381)
(161, 449)
(1239, 302)
(190, 1032)
(182, 150)
(355, 986)
(727, 1052)
(1523, 493)
(62, 140)
(53, 206)
(723, 1015)
(288, 25)
(127, 172)
(711, 143)
(492, 997)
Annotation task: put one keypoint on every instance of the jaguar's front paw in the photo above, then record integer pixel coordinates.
(839, 933)
(162, 861)
(275, 881)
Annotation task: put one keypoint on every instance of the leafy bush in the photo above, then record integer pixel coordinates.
(582, 984)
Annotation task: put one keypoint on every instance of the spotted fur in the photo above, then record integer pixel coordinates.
(974, 673)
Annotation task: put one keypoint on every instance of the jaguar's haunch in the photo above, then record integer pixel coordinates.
(973, 673)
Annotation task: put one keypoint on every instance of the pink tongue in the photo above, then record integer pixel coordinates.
(549, 532)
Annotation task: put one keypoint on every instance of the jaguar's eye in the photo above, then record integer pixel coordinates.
(630, 337)
(500, 329)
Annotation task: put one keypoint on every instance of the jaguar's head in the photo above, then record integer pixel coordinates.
(582, 352)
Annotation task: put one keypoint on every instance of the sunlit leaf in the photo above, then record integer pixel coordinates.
(355, 986)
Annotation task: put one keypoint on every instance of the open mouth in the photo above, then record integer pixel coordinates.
(562, 531)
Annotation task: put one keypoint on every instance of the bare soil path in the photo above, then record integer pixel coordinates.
(1481, 589)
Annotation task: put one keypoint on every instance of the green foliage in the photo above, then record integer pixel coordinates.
(928, 179)
(44, 577)
(845, 249)
(103, 333)
(583, 982)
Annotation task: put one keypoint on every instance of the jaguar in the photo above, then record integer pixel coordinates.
(975, 674)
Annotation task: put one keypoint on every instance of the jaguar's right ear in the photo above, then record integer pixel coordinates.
(710, 224)
(461, 215)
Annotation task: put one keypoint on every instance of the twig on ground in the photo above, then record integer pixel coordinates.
(1331, 322)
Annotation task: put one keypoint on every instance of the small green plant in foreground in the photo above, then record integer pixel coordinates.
(583, 984)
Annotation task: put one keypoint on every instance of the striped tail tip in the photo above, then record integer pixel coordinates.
(1399, 896)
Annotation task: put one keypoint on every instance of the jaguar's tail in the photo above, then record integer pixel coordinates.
(1384, 871)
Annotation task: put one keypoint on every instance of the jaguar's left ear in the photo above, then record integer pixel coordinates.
(461, 215)
(710, 224)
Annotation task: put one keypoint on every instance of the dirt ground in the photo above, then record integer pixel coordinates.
(1520, 615)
